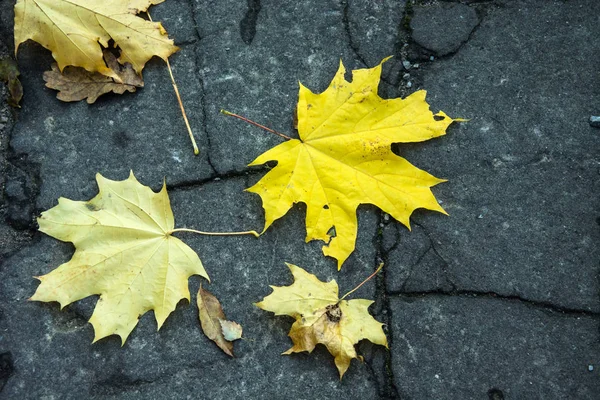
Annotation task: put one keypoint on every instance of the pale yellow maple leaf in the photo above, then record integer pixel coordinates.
(124, 252)
(73, 30)
(321, 317)
(344, 159)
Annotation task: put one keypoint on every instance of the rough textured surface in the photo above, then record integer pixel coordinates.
(466, 347)
(179, 361)
(443, 28)
(498, 300)
(523, 199)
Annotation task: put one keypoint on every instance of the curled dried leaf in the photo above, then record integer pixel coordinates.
(9, 73)
(214, 324)
(75, 83)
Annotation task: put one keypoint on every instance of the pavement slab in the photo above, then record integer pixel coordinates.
(178, 360)
(472, 347)
(523, 199)
(443, 27)
(498, 300)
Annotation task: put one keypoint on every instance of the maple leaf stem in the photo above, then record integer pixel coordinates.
(214, 233)
(185, 119)
(256, 124)
(363, 282)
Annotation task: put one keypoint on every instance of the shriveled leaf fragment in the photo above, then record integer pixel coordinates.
(344, 159)
(74, 30)
(214, 324)
(231, 330)
(124, 252)
(9, 73)
(75, 83)
(321, 317)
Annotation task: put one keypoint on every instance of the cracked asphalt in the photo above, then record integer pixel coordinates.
(499, 300)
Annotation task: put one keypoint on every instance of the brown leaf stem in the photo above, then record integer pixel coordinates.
(185, 119)
(363, 282)
(256, 124)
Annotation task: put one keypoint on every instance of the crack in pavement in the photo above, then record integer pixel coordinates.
(119, 383)
(433, 248)
(535, 304)
(387, 389)
(186, 185)
(346, 24)
(7, 368)
(203, 107)
(248, 23)
(187, 42)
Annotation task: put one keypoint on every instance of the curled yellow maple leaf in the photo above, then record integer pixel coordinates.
(72, 29)
(124, 252)
(321, 317)
(344, 159)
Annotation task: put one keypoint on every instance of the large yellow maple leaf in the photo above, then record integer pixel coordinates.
(72, 29)
(321, 317)
(344, 159)
(124, 252)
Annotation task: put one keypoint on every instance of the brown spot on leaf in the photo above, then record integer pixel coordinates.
(92, 207)
(334, 313)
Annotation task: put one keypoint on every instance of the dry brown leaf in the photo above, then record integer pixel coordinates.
(75, 83)
(9, 73)
(212, 318)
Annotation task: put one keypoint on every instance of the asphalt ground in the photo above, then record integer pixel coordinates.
(498, 300)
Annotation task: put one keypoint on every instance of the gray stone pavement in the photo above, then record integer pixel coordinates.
(499, 300)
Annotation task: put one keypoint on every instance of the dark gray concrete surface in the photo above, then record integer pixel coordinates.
(498, 300)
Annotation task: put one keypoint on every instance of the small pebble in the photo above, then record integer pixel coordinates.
(406, 76)
(406, 64)
(386, 217)
(431, 58)
(590, 367)
(409, 84)
(480, 216)
(595, 121)
(416, 66)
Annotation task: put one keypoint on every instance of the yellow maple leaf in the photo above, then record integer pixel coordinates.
(321, 317)
(344, 159)
(72, 29)
(124, 252)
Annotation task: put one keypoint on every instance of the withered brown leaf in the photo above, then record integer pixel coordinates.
(75, 83)
(212, 320)
(9, 73)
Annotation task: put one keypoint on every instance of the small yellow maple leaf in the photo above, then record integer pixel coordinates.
(344, 159)
(124, 252)
(72, 29)
(321, 317)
